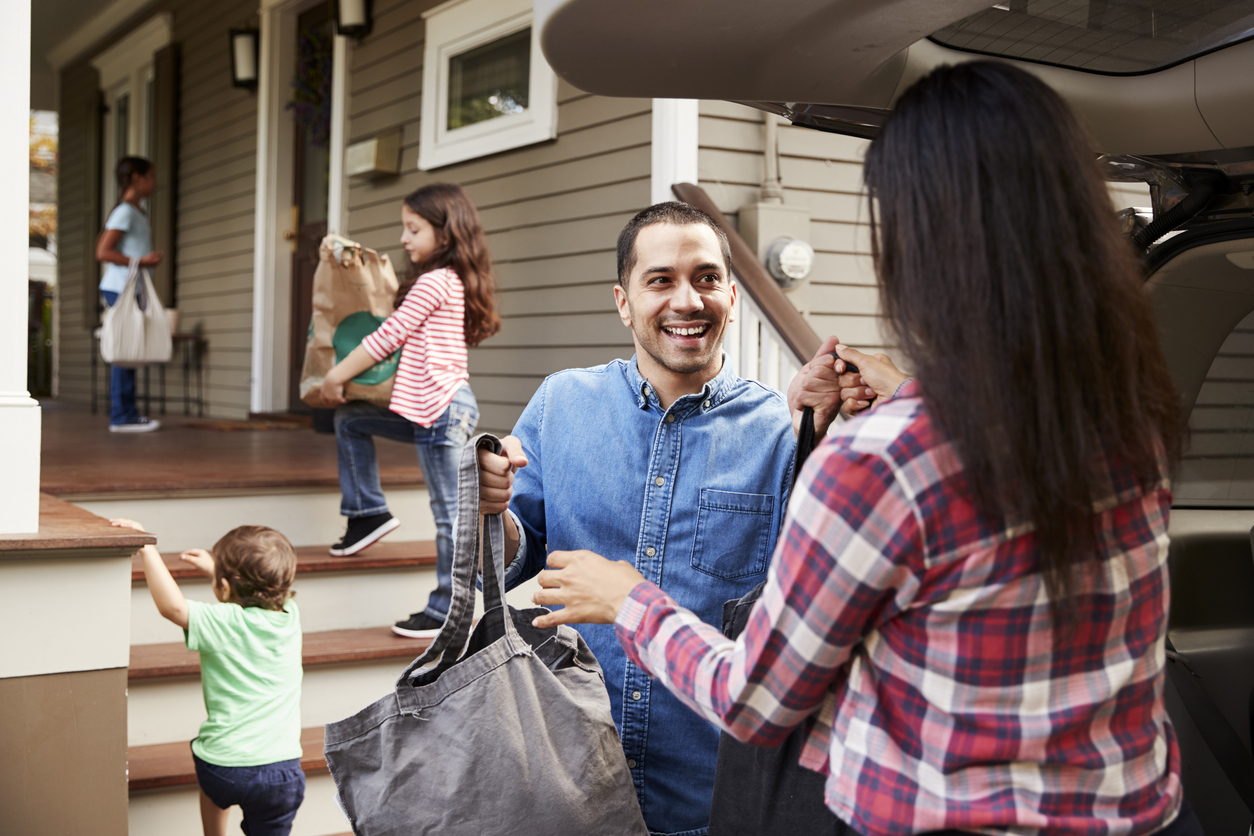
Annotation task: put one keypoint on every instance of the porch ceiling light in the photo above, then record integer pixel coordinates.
(352, 18)
(245, 45)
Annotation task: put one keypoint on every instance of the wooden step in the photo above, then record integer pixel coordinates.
(385, 554)
(331, 647)
(170, 764)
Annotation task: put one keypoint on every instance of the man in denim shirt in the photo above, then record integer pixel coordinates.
(668, 461)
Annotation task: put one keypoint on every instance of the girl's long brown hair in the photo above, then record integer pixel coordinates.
(1003, 271)
(462, 246)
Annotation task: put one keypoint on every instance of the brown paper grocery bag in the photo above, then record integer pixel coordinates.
(353, 291)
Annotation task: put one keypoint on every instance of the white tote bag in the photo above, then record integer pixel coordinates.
(135, 330)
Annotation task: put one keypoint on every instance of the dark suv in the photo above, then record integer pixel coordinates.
(1166, 88)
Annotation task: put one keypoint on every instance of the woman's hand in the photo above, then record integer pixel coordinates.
(826, 386)
(591, 588)
(876, 372)
(333, 388)
(201, 559)
(152, 259)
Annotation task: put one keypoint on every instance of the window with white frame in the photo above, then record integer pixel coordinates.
(126, 78)
(486, 86)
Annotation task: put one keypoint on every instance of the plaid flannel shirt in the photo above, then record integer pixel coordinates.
(914, 638)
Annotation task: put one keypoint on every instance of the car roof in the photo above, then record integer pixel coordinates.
(840, 64)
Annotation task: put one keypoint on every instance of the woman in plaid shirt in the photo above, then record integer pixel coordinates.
(968, 604)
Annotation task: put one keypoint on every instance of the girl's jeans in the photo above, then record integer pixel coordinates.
(439, 453)
(122, 408)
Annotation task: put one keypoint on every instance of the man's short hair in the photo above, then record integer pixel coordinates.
(671, 212)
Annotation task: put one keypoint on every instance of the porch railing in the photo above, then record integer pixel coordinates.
(770, 339)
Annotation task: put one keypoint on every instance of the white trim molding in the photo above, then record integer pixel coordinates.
(19, 413)
(337, 197)
(454, 28)
(674, 146)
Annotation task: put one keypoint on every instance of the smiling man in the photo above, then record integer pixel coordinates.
(667, 460)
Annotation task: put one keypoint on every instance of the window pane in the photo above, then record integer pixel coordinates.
(1103, 36)
(1218, 465)
(490, 81)
(122, 125)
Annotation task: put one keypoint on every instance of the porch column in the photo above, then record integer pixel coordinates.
(19, 413)
(674, 146)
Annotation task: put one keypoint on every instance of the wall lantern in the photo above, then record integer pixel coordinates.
(245, 62)
(352, 18)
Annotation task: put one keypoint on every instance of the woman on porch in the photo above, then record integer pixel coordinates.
(127, 236)
(446, 303)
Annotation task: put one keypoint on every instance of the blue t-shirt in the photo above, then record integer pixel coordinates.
(136, 242)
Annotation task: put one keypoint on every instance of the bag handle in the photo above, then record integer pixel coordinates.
(136, 284)
(447, 647)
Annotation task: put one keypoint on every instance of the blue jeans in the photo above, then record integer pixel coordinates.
(122, 408)
(439, 453)
(269, 795)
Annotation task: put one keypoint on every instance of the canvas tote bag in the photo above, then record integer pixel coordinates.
(353, 291)
(135, 330)
(503, 729)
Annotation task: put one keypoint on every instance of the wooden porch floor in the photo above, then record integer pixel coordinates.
(80, 457)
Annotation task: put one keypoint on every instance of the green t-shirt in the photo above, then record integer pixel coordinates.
(250, 674)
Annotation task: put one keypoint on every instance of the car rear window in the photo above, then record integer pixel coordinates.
(1121, 37)
(1218, 465)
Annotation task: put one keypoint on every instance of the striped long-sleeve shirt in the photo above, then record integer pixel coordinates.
(430, 330)
(917, 637)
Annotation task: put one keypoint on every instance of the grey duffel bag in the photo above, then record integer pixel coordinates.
(513, 735)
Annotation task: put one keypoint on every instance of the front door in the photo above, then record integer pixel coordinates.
(310, 105)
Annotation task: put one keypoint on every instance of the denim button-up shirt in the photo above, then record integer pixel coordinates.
(693, 496)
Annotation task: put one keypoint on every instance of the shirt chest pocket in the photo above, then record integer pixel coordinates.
(733, 538)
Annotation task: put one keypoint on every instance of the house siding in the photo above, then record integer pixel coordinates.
(216, 187)
(552, 213)
(819, 172)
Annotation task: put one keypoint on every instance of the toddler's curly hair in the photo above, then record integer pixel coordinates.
(259, 565)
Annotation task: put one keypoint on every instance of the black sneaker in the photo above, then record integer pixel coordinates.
(362, 531)
(418, 626)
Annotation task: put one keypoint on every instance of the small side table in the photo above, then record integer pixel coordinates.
(193, 346)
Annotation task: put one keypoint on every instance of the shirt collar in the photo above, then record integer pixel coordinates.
(714, 392)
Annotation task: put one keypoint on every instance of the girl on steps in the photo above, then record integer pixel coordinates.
(248, 749)
(446, 304)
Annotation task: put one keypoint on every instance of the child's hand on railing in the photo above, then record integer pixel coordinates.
(201, 559)
(124, 523)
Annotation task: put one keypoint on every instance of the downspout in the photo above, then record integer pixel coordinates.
(771, 191)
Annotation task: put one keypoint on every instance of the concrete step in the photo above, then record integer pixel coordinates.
(164, 797)
(388, 580)
(306, 515)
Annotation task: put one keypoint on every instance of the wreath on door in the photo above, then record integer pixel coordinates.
(311, 85)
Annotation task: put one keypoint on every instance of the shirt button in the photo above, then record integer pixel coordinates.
(635, 695)
(650, 551)
(647, 391)
(659, 481)
(670, 419)
(706, 404)
(631, 764)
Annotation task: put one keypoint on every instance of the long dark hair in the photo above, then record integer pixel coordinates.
(461, 245)
(128, 168)
(1003, 271)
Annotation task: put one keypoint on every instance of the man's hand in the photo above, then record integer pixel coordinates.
(590, 588)
(152, 259)
(201, 559)
(496, 475)
(824, 385)
(877, 376)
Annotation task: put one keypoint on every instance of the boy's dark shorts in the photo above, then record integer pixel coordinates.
(269, 795)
